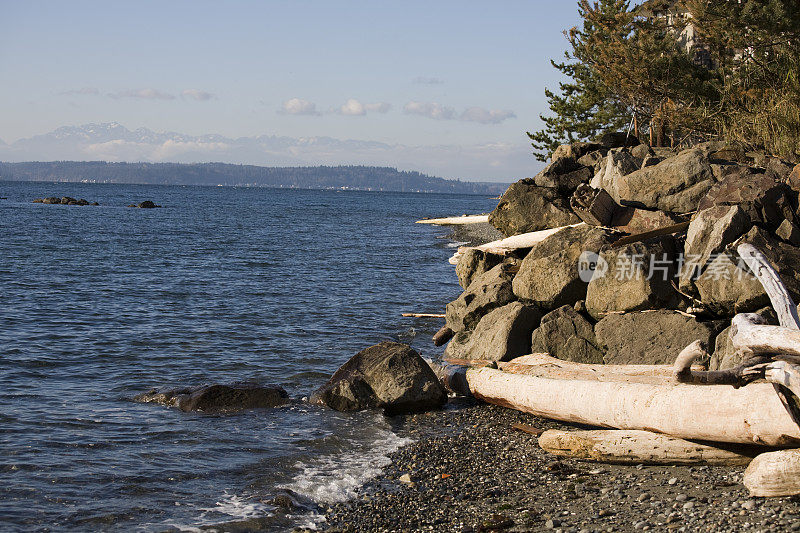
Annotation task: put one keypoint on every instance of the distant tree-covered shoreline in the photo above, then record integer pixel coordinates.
(318, 177)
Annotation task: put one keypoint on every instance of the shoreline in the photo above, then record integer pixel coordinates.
(471, 471)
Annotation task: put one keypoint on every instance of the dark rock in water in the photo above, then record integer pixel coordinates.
(66, 200)
(388, 375)
(473, 263)
(639, 277)
(501, 335)
(526, 207)
(650, 338)
(219, 398)
(486, 292)
(147, 204)
(38, 200)
(675, 185)
(565, 334)
(51, 200)
(549, 276)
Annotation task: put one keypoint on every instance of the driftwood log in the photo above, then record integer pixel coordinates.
(593, 206)
(641, 447)
(718, 413)
(454, 221)
(510, 244)
(774, 474)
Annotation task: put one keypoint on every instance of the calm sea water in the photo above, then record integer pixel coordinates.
(98, 304)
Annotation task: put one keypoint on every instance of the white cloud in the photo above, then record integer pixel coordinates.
(427, 80)
(197, 94)
(146, 94)
(355, 108)
(486, 116)
(430, 110)
(471, 114)
(298, 106)
(84, 90)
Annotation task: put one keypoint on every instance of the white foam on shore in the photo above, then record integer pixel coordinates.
(456, 244)
(237, 507)
(335, 478)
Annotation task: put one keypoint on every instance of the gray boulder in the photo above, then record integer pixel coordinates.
(548, 276)
(564, 182)
(725, 356)
(725, 289)
(709, 233)
(388, 375)
(639, 277)
(675, 185)
(632, 220)
(783, 256)
(526, 207)
(761, 197)
(575, 150)
(650, 337)
(486, 292)
(565, 334)
(789, 233)
(219, 398)
(501, 335)
(473, 263)
(618, 163)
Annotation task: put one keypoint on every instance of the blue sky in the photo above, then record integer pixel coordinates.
(411, 73)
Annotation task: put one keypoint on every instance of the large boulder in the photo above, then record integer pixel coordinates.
(486, 292)
(526, 207)
(549, 276)
(473, 263)
(650, 337)
(617, 139)
(618, 163)
(219, 398)
(632, 220)
(388, 375)
(501, 335)
(709, 233)
(726, 287)
(675, 185)
(639, 277)
(564, 182)
(565, 334)
(575, 150)
(761, 197)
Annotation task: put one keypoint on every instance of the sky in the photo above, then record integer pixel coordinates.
(437, 78)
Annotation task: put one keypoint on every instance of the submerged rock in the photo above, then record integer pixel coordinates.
(388, 375)
(219, 398)
(147, 204)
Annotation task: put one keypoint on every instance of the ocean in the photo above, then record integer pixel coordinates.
(222, 284)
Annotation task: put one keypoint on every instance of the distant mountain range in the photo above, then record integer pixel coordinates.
(321, 177)
(114, 142)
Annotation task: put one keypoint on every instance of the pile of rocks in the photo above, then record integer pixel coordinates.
(65, 200)
(649, 298)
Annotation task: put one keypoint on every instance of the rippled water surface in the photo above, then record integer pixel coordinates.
(279, 286)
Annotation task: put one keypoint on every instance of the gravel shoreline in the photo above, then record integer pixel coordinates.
(471, 471)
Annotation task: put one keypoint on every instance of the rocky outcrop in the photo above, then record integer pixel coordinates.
(565, 334)
(651, 337)
(501, 335)
(726, 289)
(675, 185)
(639, 277)
(762, 198)
(618, 163)
(473, 263)
(219, 398)
(147, 204)
(486, 292)
(388, 375)
(65, 200)
(549, 277)
(527, 207)
(632, 220)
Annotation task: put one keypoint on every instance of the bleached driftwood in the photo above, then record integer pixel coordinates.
(638, 446)
(510, 244)
(719, 413)
(774, 474)
(454, 221)
(423, 315)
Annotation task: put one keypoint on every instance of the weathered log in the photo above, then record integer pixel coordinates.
(594, 206)
(511, 244)
(778, 295)
(424, 315)
(442, 336)
(667, 230)
(454, 221)
(642, 447)
(718, 413)
(774, 474)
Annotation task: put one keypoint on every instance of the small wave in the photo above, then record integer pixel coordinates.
(238, 507)
(335, 478)
(456, 244)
